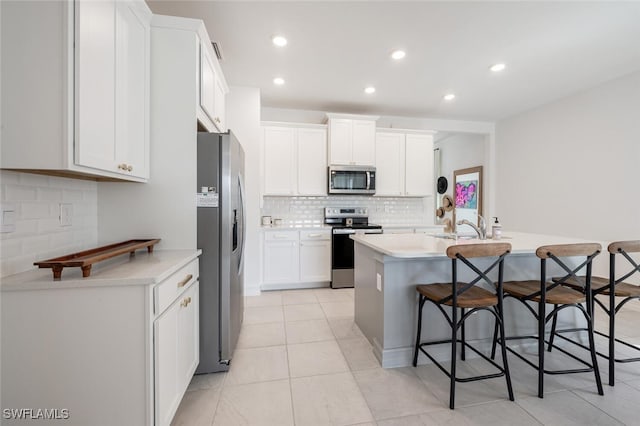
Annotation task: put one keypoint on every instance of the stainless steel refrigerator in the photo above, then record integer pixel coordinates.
(221, 236)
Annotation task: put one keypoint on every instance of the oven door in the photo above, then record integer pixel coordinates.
(342, 258)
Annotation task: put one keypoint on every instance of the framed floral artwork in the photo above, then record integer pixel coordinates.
(467, 195)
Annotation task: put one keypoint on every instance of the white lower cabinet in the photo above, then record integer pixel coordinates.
(176, 352)
(296, 259)
(117, 348)
(281, 257)
(315, 256)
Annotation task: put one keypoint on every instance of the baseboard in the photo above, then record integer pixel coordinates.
(294, 286)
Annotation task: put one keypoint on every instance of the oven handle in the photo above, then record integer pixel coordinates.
(368, 180)
(343, 231)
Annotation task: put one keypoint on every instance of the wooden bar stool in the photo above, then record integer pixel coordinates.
(463, 295)
(544, 292)
(612, 287)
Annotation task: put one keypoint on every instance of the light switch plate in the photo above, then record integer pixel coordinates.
(379, 282)
(8, 218)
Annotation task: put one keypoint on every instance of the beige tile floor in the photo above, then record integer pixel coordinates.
(301, 360)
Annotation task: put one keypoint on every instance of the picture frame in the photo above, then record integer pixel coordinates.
(467, 196)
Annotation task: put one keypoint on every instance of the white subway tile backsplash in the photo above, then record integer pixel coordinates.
(20, 193)
(38, 234)
(382, 210)
(30, 210)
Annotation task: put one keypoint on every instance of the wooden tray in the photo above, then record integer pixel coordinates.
(85, 259)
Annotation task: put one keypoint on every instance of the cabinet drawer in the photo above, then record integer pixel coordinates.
(281, 236)
(315, 235)
(168, 290)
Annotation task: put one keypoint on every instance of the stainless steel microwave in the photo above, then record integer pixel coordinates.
(352, 180)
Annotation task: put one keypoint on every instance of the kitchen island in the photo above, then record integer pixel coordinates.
(388, 267)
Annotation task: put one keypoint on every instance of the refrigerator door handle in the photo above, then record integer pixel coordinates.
(242, 219)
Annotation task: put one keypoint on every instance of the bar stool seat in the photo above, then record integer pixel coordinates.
(556, 296)
(621, 290)
(474, 297)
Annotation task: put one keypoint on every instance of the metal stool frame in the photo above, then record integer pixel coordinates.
(454, 252)
(622, 248)
(590, 251)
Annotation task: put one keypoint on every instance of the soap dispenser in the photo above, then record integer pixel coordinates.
(496, 229)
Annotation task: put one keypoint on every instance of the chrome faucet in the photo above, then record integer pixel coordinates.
(481, 230)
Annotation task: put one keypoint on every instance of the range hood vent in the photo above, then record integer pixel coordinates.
(217, 49)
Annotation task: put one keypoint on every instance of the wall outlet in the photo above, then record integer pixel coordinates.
(66, 214)
(8, 218)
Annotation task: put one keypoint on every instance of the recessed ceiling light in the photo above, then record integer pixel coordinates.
(278, 81)
(398, 54)
(449, 97)
(369, 90)
(279, 40)
(497, 67)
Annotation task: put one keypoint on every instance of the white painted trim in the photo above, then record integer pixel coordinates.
(291, 124)
(331, 115)
(294, 286)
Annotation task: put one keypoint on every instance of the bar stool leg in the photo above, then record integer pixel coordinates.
(505, 365)
(420, 305)
(594, 357)
(463, 355)
(612, 318)
(553, 329)
(495, 336)
(454, 336)
(541, 323)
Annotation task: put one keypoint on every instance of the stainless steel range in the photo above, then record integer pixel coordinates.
(346, 221)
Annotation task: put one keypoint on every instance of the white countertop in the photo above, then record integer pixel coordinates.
(425, 245)
(142, 269)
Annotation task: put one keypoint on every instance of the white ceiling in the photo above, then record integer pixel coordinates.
(552, 49)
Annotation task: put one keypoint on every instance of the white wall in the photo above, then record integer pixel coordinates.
(243, 118)
(38, 234)
(572, 167)
(461, 151)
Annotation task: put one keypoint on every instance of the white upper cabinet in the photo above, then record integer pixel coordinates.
(352, 139)
(92, 101)
(312, 161)
(213, 90)
(294, 159)
(404, 163)
(419, 165)
(389, 164)
(279, 155)
(364, 136)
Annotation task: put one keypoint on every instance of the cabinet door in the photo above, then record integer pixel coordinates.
(281, 258)
(207, 84)
(220, 105)
(389, 164)
(315, 260)
(364, 139)
(132, 89)
(188, 336)
(312, 161)
(167, 382)
(95, 85)
(340, 141)
(279, 160)
(419, 165)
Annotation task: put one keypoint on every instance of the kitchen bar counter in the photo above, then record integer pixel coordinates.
(387, 269)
